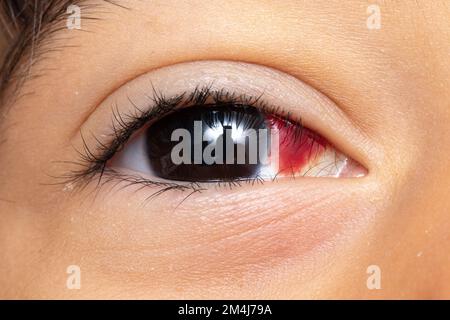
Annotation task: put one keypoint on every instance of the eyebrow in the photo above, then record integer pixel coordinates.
(30, 25)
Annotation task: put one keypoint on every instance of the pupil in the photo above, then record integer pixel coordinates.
(206, 144)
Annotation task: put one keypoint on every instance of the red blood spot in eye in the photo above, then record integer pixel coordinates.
(298, 146)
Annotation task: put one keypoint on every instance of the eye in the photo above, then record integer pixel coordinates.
(222, 138)
(215, 122)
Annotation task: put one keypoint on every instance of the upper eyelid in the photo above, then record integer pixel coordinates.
(319, 113)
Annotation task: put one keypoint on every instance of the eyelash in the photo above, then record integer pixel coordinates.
(94, 163)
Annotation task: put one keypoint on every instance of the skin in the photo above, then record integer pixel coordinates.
(296, 238)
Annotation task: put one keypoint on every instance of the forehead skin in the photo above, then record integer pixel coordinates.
(392, 83)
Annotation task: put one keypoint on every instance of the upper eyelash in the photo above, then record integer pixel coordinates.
(125, 125)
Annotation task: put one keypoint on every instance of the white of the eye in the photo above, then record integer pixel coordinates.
(134, 156)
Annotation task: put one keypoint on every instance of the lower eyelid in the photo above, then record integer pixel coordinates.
(253, 227)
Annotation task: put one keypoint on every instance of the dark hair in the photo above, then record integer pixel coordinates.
(20, 19)
(27, 24)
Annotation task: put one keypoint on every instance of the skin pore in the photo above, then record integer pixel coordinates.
(380, 96)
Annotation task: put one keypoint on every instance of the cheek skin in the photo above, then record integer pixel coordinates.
(232, 238)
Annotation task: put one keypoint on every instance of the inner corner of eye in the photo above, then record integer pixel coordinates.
(226, 142)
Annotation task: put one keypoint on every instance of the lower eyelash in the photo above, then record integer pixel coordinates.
(76, 180)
